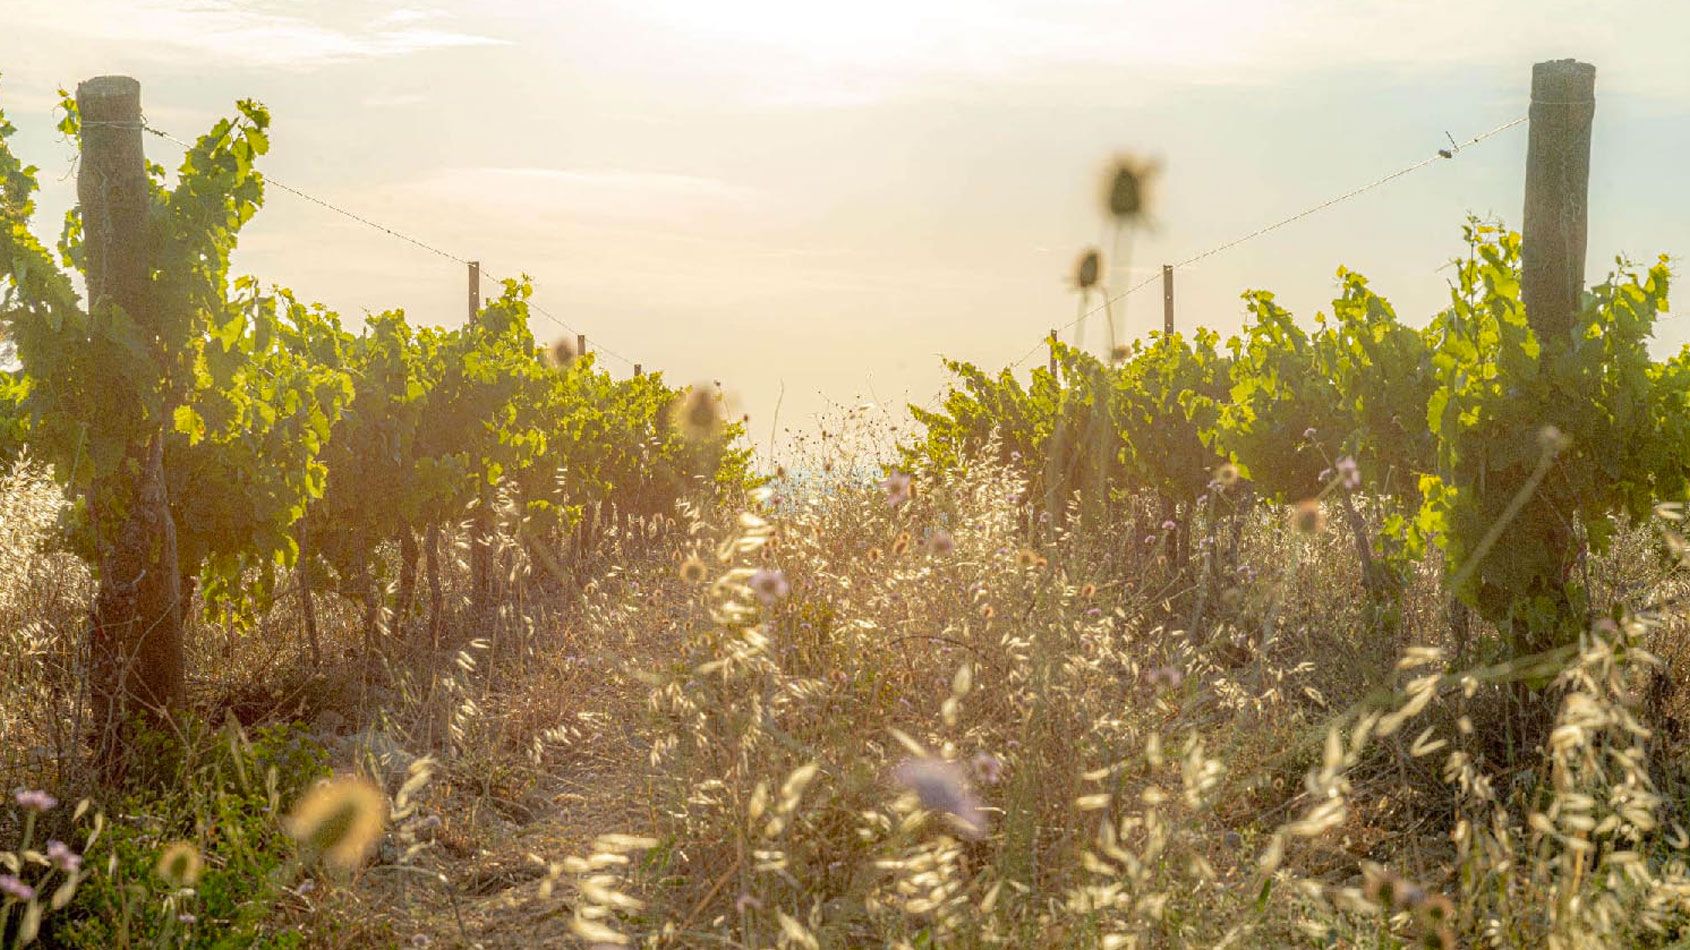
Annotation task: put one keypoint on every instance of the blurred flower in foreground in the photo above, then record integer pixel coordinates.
(698, 413)
(35, 800)
(179, 864)
(339, 821)
(769, 585)
(899, 487)
(1127, 184)
(1349, 474)
(940, 542)
(693, 570)
(1165, 677)
(15, 888)
(942, 787)
(1307, 517)
(62, 857)
(561, 353)
(1087, 269)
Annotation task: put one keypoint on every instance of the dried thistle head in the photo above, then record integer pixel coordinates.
(698, 412)
(180, 864)
(339, 821)
(1087, 269)
(561, 353)
(693, 570)
(1128, 181)
(1307, 517)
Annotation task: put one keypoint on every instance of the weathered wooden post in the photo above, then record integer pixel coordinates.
(136, 655)
(1167, 300)
(580, 344)
(482, 524)
(474, 290)
(1555, 225)
(1552, 249)
(1053, 352)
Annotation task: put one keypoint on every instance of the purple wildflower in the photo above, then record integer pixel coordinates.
(1168, 676)
(16, 889)
(897, 487)
(1349, 474)
(35, 800)
(940, 542)
(941, 786)
(988, 768)
(1169, 525)
(769, 585)
(63, 857)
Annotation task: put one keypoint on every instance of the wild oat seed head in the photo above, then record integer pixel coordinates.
(339, 820)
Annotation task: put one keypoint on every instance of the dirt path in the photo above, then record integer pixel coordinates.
(494, 842)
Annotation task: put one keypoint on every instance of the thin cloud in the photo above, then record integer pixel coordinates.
(230, 33)
(871, 50)
(602, 195)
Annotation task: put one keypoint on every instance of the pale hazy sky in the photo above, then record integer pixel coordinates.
(831, 196)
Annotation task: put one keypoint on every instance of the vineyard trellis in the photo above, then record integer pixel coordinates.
(1510, 433)
(222, 436)
(219, 436)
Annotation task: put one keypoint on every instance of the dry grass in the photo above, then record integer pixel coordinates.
(952, 726)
